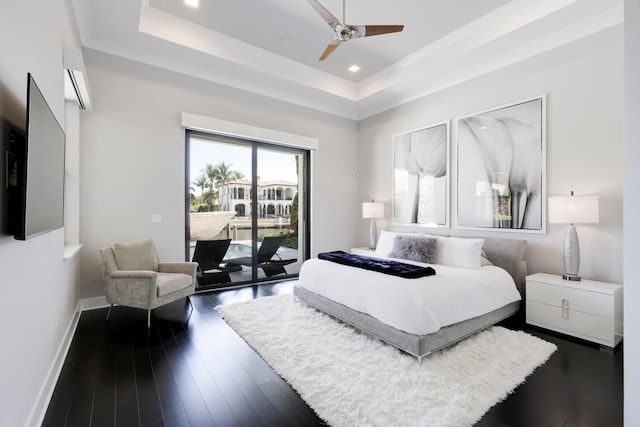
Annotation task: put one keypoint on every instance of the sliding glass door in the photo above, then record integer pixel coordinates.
(247, 210)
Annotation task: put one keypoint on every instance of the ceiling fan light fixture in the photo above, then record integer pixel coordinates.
(354, 68)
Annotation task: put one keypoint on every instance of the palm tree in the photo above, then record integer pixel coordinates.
(220, 174)
(210, 172)
(201, 182)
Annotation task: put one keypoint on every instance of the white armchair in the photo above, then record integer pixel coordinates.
(133, 277)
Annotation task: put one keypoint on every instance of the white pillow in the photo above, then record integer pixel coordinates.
(459, 252)
(385, 242)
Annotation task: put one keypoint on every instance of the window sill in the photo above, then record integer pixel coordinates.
(71, 251)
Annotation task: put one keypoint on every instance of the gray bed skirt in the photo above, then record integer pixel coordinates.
(416, 345)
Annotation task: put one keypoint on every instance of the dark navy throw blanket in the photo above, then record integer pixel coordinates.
(380, 265)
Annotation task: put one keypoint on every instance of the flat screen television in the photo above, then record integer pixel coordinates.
(40, 170)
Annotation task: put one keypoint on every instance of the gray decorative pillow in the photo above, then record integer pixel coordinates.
(414, 248)
(136, 255)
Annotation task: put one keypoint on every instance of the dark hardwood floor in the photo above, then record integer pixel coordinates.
(191, 369)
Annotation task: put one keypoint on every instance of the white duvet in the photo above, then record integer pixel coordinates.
(418, 306)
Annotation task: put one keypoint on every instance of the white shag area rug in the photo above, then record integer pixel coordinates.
(350, 379)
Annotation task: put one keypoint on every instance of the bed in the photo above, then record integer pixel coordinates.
(478, 283)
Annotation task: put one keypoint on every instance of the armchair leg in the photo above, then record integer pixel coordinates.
(189, 299)
(109, 312)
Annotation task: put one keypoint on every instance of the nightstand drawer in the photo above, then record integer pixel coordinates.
(581, 300)
(576, 323)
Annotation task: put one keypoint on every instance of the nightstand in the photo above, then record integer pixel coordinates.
(586, 309)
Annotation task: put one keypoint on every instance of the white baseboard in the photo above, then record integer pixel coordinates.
(39, 408)
(93, 303)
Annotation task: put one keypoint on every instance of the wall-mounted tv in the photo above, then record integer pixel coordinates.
(40, 181)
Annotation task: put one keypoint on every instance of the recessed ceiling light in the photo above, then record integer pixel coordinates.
(354, 68)
(287, 41)
(192, 3)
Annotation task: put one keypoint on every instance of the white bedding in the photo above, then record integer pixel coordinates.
(417, 306)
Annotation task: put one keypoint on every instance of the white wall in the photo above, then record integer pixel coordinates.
(37, 290)
(631, 209)
(584, 86)
(132, 158)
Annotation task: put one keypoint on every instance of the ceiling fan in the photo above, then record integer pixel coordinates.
(346, 32)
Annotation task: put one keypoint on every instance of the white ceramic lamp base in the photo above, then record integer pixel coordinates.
(373, 235)
(571, 255)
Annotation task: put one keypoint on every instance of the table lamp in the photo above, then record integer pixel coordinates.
(373, 210)
(573, 210)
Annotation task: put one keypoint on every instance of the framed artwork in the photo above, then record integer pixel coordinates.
(501, 168)
(421, 176)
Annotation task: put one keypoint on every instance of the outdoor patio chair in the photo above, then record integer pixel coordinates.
(209, 255)
(268, 260)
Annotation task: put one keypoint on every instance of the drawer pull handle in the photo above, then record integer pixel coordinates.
(565, 309)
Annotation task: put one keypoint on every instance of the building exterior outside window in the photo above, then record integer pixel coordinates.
(274, 198)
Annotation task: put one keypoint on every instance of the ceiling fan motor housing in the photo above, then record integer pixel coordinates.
(345, 32)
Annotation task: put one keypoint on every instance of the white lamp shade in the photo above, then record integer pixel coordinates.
(373, 210)
(574, 210)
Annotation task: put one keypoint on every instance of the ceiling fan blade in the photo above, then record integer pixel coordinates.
(326, 15)
(330, 48)
(375, 30)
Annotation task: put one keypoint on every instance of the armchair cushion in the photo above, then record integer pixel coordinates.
(135, 274)
(136, 255)
(169, 283)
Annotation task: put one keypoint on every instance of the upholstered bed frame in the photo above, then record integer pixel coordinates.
(505, 253)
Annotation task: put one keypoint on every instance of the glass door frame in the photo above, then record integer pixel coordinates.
(304, 201)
